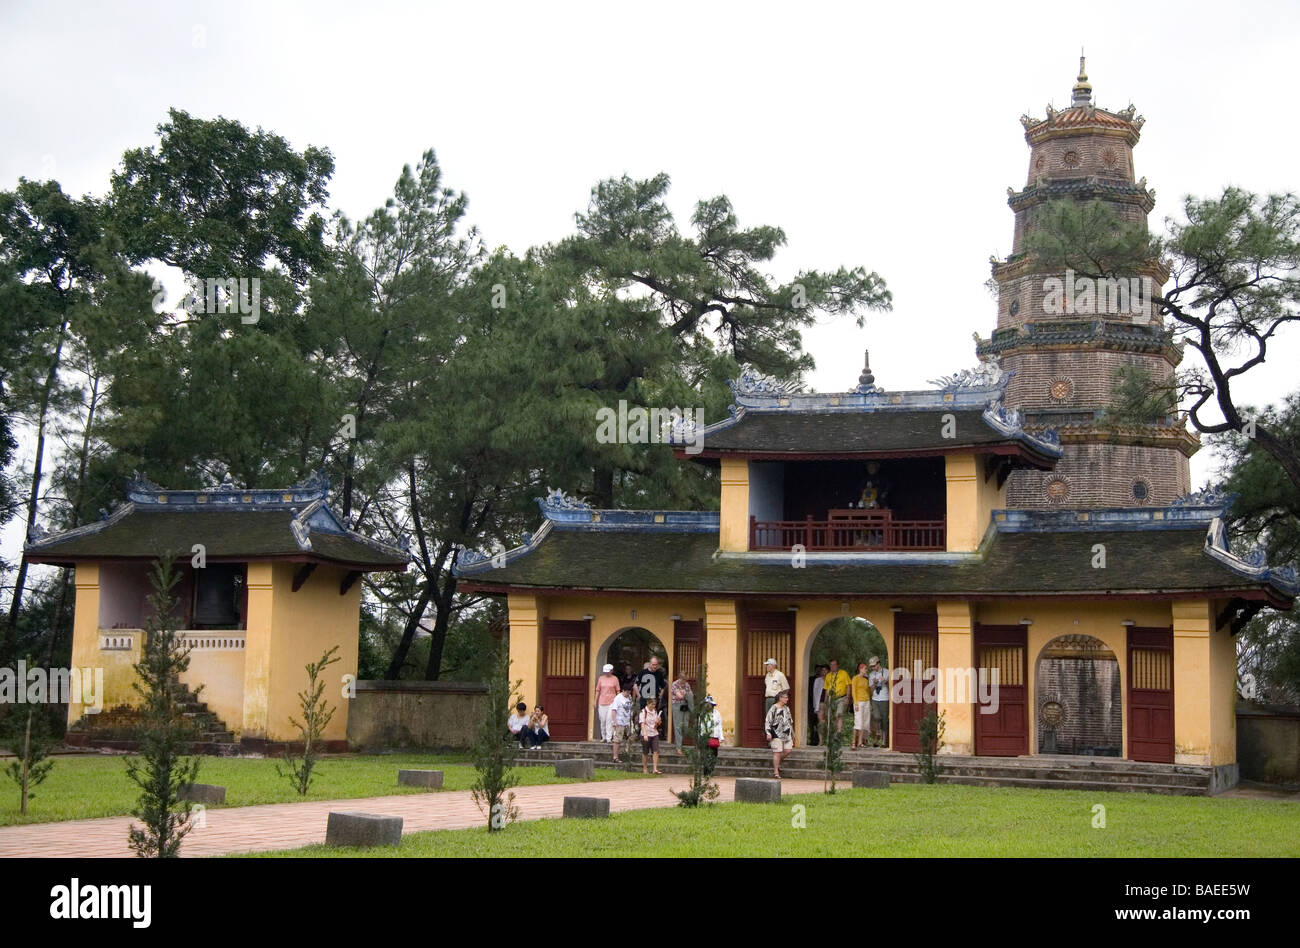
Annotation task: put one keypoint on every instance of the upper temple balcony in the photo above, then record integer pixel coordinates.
(866, 471)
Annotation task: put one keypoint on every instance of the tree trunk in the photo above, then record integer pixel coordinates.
(603, 488)
(15, 604)
(408, 633)
(446, 595)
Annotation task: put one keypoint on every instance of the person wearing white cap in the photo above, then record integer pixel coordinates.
(607, 689)
(713, 725)
(773, 684)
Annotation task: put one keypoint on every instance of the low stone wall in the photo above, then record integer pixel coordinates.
(1268, 744)
(428, 715)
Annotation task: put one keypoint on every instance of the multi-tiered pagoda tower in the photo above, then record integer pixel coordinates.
(1066, 356)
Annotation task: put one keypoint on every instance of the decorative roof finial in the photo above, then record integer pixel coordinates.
(1082, 89)
(867, 381)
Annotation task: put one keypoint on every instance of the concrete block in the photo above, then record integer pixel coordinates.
(204, 793)
(758, 790)
(362, 829)
(875, 779)
(586, 807)
(428, 779)
(582, 767)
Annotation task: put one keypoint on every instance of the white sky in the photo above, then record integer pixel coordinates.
(884, 136)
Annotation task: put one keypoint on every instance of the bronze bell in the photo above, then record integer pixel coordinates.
(217, 595)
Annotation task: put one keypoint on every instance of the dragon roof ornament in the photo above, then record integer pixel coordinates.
(988, 374)
(752, 382)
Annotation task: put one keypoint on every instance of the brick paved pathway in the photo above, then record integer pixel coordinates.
(290, 825)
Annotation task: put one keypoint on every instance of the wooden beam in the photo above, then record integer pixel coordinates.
(351, 577)
(301, 573)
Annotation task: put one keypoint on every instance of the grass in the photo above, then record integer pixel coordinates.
(94, 786)
(906, 820)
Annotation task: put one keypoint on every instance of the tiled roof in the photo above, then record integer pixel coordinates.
(1167, 563)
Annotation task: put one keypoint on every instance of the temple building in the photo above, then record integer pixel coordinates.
(994, 523)
(268, 582)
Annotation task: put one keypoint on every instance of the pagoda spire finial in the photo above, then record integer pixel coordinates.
(1082, 88)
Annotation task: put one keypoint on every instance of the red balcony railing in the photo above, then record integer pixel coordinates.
(864, 532)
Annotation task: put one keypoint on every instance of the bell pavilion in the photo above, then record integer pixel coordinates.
(993, 523)
(268, 580)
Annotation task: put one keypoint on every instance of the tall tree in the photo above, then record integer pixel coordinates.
(699, 305)
(1266, 514)
(60, 280)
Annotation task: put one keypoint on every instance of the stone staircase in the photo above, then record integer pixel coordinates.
(1044, 772)
(118, 728)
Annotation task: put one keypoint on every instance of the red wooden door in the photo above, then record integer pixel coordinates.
(565, 692)
(1003, 732)
(1151, 695)
(916, 648)
(767, 635)
(688, 656)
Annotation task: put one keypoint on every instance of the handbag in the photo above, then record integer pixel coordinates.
(714, 743)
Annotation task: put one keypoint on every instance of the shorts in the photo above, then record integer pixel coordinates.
(650, 745)
(862, 715)
(780, 745)
(620, 732)
(880, 711)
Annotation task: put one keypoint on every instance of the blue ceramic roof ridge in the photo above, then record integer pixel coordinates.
(305, 503)
(980, 388)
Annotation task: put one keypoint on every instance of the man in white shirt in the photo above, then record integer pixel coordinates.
(621, 712)
(517, 722)
(774, 682)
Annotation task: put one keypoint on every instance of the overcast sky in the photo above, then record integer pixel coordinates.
(875, 135)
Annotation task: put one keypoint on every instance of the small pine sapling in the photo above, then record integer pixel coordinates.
(161, 770)
(316, 716)
(28, 737)
(495, 750)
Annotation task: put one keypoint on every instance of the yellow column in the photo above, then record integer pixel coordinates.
(722, 654)
(734, 520)
(963, 509)
(1205, 686)
(257, 651)
(526, 643)
(956, 655)
(85, 629)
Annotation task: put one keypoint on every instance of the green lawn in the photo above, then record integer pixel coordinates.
(85, 787)
(905, 820)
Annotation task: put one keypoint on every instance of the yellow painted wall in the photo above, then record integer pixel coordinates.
(733, 534)
(1205, 684)
(525, 618)
(956, 651)
(221, 673)
(307, 622)
(257, 651)
(971, 500)
(722, 626)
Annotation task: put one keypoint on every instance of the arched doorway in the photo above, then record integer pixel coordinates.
(850, 640)
(1078, 698)
(630, 651)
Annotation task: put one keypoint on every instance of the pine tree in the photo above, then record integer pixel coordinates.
(28, 737)
(495, 751)
(162, 770)
(316, 716)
